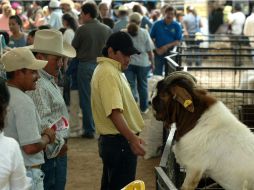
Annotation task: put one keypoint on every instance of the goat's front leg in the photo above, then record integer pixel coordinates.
(192, 179)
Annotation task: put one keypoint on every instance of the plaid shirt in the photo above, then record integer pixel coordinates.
(51, 107)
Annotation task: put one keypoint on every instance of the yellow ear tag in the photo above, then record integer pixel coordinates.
(187, 103)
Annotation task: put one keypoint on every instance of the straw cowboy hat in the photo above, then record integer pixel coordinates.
(21, 58)
(68, 2)
(50, 41)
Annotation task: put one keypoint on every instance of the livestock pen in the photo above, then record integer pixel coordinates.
(230, 83)
(226, 84)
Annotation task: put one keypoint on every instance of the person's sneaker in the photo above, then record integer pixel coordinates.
(146, 111)
(74, 134)
(88, 136)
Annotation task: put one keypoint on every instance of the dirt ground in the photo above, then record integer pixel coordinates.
(85, 166)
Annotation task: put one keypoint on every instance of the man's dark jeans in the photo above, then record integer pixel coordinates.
(119, 162)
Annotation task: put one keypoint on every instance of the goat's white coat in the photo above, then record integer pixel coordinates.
(220, 146)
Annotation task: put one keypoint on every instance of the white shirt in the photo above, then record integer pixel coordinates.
(237, 20)
(143, 43)
(249, 28)
(68, 35)
(12, 168)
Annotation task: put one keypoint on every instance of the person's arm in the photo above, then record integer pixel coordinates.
(42, 98)
(164, 49)
(151, 59)
(177, 37)
(120, 123)
(76, 40)
(48, 137)
(149, 49)
(231, 18)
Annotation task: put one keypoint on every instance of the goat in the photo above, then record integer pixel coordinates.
(209, 139)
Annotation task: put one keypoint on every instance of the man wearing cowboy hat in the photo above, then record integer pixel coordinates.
(49, 46)
(122, 21)
(23, 121)
(67, 7)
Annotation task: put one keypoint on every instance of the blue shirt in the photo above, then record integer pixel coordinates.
(192, 23)
(120, 24)
(164, 33)
(14, 43)
(146, 23)
(55, 20)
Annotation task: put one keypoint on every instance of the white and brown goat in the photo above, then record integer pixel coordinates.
(209, 139)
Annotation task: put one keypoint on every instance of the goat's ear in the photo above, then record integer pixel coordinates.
(183, 97)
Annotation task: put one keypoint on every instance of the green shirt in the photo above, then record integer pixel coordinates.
(89, 40)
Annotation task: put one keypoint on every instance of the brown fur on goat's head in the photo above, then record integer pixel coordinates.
(179, 100)
(166, 92)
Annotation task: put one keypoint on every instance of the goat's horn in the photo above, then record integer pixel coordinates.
(179, 75)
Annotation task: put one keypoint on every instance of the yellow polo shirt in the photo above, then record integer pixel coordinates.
(111, 90)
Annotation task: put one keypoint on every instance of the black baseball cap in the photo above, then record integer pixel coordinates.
(121, 41)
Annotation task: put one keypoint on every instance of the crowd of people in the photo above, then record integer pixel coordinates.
(92, 46)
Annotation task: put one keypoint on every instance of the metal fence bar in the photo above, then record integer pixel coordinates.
(162, 180)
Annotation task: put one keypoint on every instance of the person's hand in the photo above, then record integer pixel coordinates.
(63, 150)
(50, 133)
(161, 50)
(136, 145)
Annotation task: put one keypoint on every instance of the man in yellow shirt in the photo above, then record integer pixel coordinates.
(116, 114)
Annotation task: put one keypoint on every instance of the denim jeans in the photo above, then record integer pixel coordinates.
(119, 162)
(37, 178)
(85, 73)
(192, 50)
(55, 170)
(137, 77)
(161, 65)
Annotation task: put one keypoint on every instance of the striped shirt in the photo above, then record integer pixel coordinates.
(51, 107)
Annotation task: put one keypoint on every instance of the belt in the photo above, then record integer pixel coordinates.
(33, 167)
(109, 135)
(115, 135)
